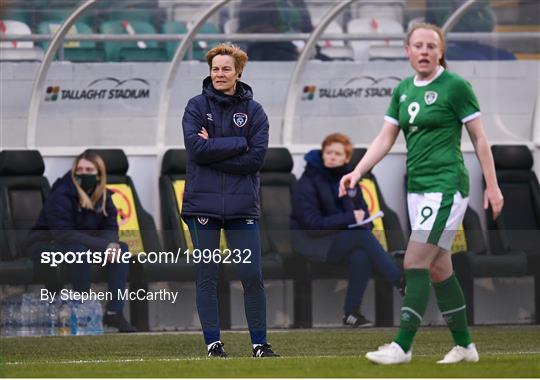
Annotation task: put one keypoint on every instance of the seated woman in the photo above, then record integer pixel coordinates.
(320, 222)
(79, 216)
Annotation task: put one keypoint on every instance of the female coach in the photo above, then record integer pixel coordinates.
(79, 215)
(226, 138)
(320, 223)
(430, 108)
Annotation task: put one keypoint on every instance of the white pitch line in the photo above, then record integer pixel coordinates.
(101, 361)
(141, 360)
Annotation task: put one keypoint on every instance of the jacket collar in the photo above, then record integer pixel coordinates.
(66, 185)
(315, 164)
(243, 93)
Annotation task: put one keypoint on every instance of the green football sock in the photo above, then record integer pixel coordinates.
(451, 303)
(414, 306)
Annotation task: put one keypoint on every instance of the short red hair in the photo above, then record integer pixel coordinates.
(339, 138)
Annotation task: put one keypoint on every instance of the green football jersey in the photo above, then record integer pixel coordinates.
(431, 116)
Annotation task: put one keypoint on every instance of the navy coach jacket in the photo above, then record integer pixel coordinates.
(63, 221)
(222, 178)
(318, 214)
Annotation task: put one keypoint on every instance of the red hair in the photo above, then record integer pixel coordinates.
(339, 138)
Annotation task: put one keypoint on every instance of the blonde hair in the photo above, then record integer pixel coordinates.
(436, 29)
(240, 57)
(339, 138)
(100, 192)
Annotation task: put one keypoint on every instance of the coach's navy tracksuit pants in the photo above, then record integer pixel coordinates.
(242, 234)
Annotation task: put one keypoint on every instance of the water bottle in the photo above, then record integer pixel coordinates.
(27, 315)
(16, 316)
(64, 319)
(3, 317)
(82, 318)
(84, 324)
(98, 315)
(95, 322)
(42, 317)
(23, 316)
(34, 315)
(73, 319)
(6, 322)
(52, 325)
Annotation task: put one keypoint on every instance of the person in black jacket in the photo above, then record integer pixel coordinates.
(226, 138)
(321, 224)
(273, 16)
(79, 216)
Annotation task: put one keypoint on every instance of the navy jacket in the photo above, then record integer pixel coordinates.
(63, 221)
(222, 179)
(318, 214)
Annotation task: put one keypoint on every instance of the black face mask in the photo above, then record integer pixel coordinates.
(87, 181)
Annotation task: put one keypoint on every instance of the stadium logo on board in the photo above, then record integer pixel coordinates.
(240, 119)
(430, 97)
(202, 220)
(358, 87)
(108, 88)
(51, 94)
(309, 92)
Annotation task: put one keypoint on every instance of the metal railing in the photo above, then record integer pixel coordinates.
(271, 37)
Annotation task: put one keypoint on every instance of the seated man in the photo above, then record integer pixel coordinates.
(320, 222)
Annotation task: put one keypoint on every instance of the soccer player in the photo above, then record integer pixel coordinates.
(226, 138)
(430, 108)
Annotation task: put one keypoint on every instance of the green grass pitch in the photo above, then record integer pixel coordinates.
(505, 351)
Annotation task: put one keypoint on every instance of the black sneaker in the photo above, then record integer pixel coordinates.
(263, 351)
(118, 321)
(356, 320)
(217, 351)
